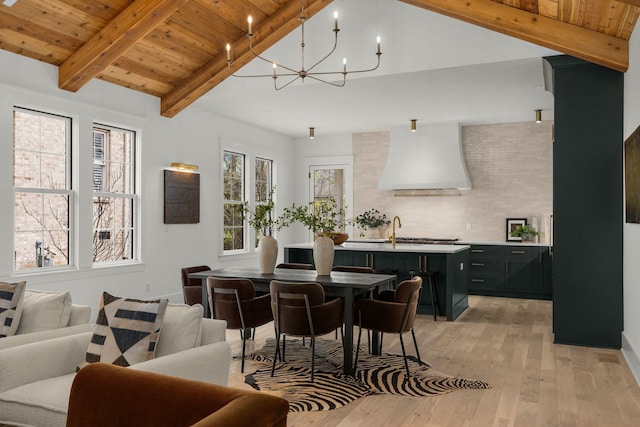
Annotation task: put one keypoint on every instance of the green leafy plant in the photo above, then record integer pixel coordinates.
(526, 232)
(322, 217)
(263, 219)
(370, 219)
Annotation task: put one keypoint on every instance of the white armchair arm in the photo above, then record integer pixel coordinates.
(209, 363)
(14, 340)
(37, 361)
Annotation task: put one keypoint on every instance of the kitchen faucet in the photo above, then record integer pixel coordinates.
(393, 230)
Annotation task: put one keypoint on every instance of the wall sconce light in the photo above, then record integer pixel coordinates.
(312, 133)
(185, 167)
(538, 116)
(413, 125)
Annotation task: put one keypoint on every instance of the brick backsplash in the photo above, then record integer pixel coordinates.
(511, 171)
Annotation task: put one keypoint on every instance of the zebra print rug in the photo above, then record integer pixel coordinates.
(384, 374)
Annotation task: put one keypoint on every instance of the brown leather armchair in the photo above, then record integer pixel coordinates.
(192, 288)
(393, 312)
(104, 395)
(299, 309)
(235, 301)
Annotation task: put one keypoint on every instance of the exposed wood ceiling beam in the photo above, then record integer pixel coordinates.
(118, 36)
(631, 2)
(266, 34)
(602, 49)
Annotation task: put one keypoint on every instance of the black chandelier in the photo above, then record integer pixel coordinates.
(303, 72)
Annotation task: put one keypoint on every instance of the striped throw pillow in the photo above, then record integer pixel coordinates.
(11, 298)
(126, 330)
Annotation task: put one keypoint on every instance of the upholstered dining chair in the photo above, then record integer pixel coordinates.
(192, 288)
(299, 309)
(392, 312)
(235, 301)
(295, 265)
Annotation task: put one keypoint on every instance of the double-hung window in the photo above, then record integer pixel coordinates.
(114, 194)
(240, 193)
(43, 197)
(234, 199)
(263, 191)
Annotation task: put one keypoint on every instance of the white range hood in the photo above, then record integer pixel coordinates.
(428, 159)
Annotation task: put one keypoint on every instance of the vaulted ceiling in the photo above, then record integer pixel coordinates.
(175, 50)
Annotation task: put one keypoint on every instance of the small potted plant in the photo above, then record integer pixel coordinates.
(371, 219)
(525, 232)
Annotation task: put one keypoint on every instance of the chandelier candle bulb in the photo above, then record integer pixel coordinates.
(275, 67)
(249, 22)
(344, 63)
(335, 16)
(228, 52)
(378, 41)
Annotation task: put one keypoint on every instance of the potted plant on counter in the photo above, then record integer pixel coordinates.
(326, 221)
(525, 232)
(372, 220)
(263, 220)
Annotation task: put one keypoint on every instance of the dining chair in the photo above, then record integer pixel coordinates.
(295, 265)
(394, 311)
(299, 309)
(235, 301)
(192, 288)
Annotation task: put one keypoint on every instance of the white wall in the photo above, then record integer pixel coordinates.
(631, 334)
(193, 136)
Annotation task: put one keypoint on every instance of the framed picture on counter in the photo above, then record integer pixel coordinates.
(512, 225)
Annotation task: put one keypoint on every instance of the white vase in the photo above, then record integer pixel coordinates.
(323, 255)
(268, 247)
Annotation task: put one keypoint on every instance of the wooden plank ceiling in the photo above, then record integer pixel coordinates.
(175, 49)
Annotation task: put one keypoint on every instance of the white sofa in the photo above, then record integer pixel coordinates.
(36, 378)
(47, 315)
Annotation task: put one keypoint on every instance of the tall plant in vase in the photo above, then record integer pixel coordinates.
(263, 220)
(326, 221)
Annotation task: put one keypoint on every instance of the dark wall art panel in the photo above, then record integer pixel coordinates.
(181, 197)
(632, 176)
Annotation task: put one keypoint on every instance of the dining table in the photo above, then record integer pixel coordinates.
(346, 285)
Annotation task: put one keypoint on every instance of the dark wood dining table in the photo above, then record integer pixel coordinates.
(345, 285)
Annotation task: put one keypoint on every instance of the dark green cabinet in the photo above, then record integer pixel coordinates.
(510, 271)
(587, 195)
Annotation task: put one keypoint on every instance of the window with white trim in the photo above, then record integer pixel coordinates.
(263, 190)
(234, 226)
(43, 197)
(114, 194)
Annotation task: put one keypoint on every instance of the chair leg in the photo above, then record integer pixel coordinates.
(435, 303)
(404, 355)
(273, 365)
(284, 346)
(415, 343)
(355, 363)
(244, 342)
(313, 356)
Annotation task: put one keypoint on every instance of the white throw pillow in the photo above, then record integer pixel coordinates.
(181, 329)
(43, 310)
(11, 302)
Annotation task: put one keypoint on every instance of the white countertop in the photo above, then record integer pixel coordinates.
(513, 243)
(380, 246)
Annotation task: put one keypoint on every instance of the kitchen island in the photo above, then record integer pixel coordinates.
(450, 262)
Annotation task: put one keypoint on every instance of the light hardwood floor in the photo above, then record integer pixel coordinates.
(509, 343)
